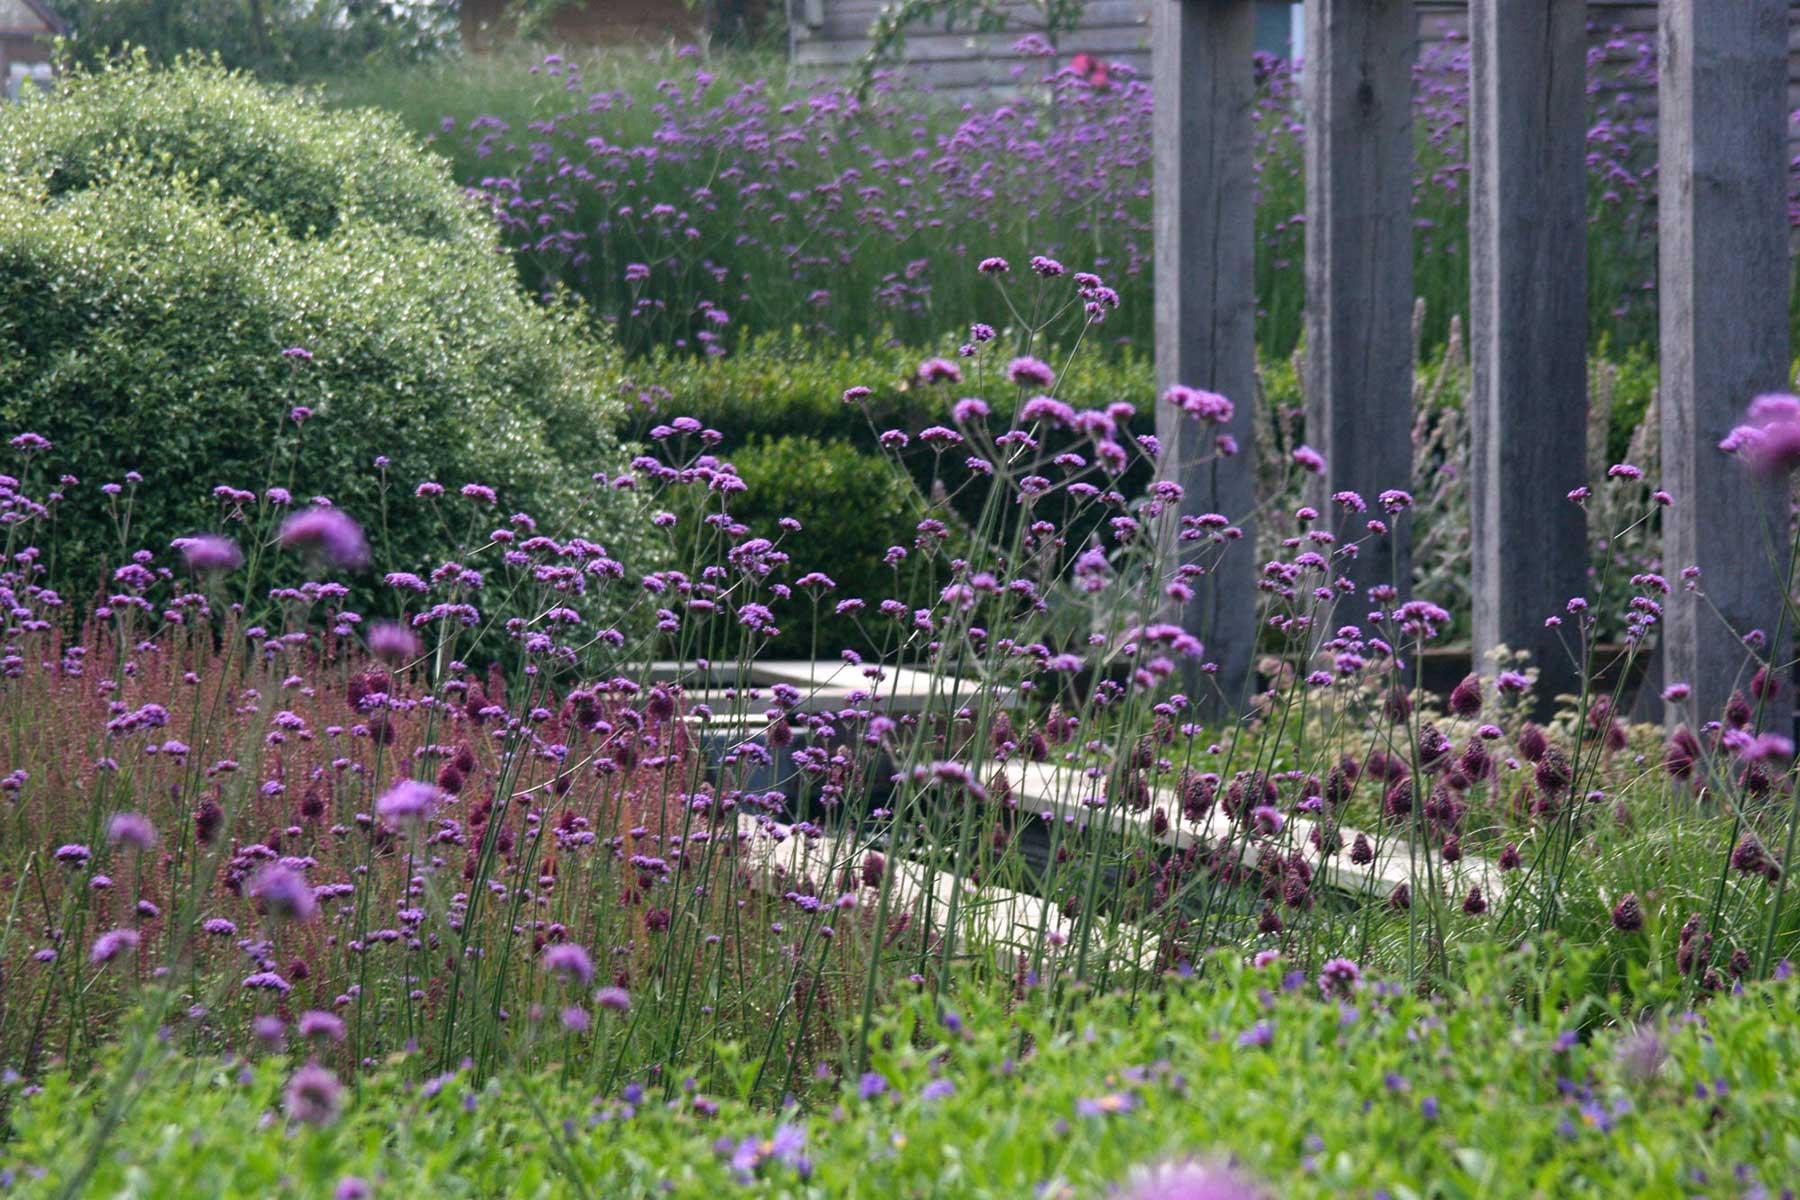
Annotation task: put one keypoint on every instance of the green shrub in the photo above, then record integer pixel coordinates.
(785, 383)
(282, 155)
(778, 402)
(851, 506)
(151, 277)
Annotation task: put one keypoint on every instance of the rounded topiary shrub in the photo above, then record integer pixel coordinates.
(283, 155)
(151, 281)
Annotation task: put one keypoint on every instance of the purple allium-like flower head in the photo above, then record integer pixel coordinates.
(1339, 976)
(613, 999)
(1308, 459)
(569, 961)
(939, 370)
(1769, 440)
(329, 534)
(314, 1095)
(1200, 404)
(323, 1026)
(1030, 373)
(284, 893)
(408, 802)
(787, 1146)
(1641, 1055)
(297, 354)
(1188, 1180)
(994, 266)
(209, 553)
(969, 410)
(131, 829)
(1046, 408)
(392, 642)
(112, 943)
(352, 1188)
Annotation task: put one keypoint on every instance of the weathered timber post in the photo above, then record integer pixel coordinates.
(1722, 182)
(1528, 321)
(1357, 83)
(1205, 298)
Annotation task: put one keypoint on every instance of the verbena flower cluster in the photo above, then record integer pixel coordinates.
(710, 202)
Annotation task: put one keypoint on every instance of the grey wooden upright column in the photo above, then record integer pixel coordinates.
(1357, 81)
(1724, 298)
(1202, 63)
(1528, 321)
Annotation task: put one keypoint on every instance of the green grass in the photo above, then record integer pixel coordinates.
(1523, 1087)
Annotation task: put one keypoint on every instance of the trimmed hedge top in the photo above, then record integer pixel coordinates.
(280, 154)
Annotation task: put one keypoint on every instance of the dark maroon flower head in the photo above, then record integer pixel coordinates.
(1474, 904)
(1532, 743)
(1682, 754)
(363, 685)
(1386, 767)
(1738, 711)
(1433, 747)
(1397, 706)
(1475, 762)
(1748, 857)
(207, 819)
(1361, 852)
(873, 866)
(1509, 857)
(1765, 685)
(1553, 772)
(1627, 914)
(1465, 697)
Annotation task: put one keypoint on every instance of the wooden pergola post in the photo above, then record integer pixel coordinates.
(1724, 276)
(1205, 299)
(1357, 84)
(1528, 320)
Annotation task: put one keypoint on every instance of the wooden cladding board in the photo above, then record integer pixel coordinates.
(1119, 31)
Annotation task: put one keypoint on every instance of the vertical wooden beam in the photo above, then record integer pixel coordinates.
(1357, 83)
(1205, 296)
(1724, 314)
(1528, 321)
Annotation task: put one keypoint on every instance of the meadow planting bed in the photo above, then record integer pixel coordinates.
(363, 833)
